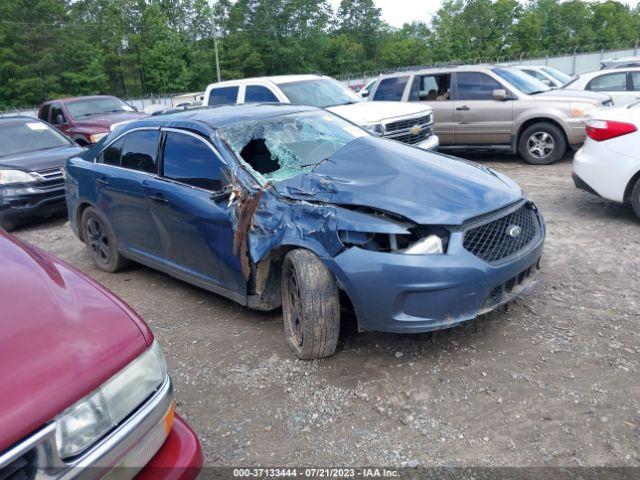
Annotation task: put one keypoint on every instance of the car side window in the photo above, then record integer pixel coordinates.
(44, 113)
(613, 82)
(258, 93)
(475, 86)
(223, 96)
(635, 79)
(139, 151)
(431, 88)
(111, 154)
(391, 89)
(189, 160)
(57, 115)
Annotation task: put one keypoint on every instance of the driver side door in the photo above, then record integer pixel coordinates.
(195, 229)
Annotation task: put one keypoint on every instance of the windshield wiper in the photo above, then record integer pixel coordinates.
(538, 91)
(328, 159)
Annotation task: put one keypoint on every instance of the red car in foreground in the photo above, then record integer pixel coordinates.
(85, 388)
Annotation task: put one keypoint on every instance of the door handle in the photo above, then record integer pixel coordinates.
(464, 108)
(102, 181)
(158, 198)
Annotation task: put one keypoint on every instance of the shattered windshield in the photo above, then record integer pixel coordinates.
(280, 147)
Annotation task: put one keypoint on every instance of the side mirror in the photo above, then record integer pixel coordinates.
(500, 95)
(364, 93)
(59, 119)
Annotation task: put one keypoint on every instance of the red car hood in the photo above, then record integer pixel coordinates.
(105, 121)
(62, 336)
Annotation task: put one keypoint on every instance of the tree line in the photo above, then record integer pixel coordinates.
(53, 48)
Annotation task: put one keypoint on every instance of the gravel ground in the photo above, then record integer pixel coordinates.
(551, 381)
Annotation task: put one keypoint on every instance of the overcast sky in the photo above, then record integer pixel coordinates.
(397, 12)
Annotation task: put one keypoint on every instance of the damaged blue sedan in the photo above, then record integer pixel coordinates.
(294, 207)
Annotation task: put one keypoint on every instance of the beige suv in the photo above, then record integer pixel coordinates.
(481, 106)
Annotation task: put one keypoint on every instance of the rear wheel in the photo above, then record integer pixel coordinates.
(101, 244)
(542, 144)
(635, 198)
(310, 305)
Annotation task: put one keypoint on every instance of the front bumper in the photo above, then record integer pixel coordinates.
(28, 201)
(429, 144)
(123, 452)
(418, 293)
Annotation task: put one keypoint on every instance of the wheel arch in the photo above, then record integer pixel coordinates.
(629, 188)
(80, 209)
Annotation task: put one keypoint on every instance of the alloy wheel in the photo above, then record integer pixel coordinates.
(541, 145)
(98, 240)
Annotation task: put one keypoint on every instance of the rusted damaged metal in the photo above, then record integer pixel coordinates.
(246, 207)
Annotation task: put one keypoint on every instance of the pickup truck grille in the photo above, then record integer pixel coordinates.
(506, 236)
(50, 177)
(410, 130)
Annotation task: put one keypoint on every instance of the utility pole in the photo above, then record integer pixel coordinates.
(214, 32)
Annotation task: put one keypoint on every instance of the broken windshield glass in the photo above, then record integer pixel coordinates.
(281, 147)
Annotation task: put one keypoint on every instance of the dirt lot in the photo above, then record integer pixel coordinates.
(552, 381)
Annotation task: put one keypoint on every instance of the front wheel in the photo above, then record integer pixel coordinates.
(310, 305)
(542, 143)
(635, 198)
(101, 243)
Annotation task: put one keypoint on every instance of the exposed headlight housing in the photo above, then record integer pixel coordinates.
(88, 420)
(96, 137)
(426, 240)
(10, 177)
(581, 109)
(376, 129)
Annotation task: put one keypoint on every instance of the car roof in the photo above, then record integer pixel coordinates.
(75, 99)
(14, 119)
(442, 69)
(218, 117)
(277, 79)
(605, 71)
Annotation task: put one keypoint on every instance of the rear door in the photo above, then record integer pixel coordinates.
(479, 118)
(435, 90)
(619, 85)
(196, 229)
(121, 171)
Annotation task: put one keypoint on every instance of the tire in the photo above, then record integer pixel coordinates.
(310, 305)
(635, 198)
(542, 144)
(101, 243)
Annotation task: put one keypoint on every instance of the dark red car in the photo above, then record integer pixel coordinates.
(85, 388)
(87, 119)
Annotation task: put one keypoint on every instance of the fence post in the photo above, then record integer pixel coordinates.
(573, 66)
(635, 50)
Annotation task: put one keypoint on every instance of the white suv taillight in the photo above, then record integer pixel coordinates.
(600, 130)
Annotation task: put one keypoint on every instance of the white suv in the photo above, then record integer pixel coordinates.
(407, 123)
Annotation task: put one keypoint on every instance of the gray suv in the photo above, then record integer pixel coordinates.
(481, 106)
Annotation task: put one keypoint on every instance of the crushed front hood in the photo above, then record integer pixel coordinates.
(423, 187)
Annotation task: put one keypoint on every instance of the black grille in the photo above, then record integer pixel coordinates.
(50, 177)
(16, 470)
(407, 123)
(502, 293)
(493, 242)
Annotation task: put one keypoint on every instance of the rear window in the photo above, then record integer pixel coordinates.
(223, 96)
(20, 136)
(391, 89)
